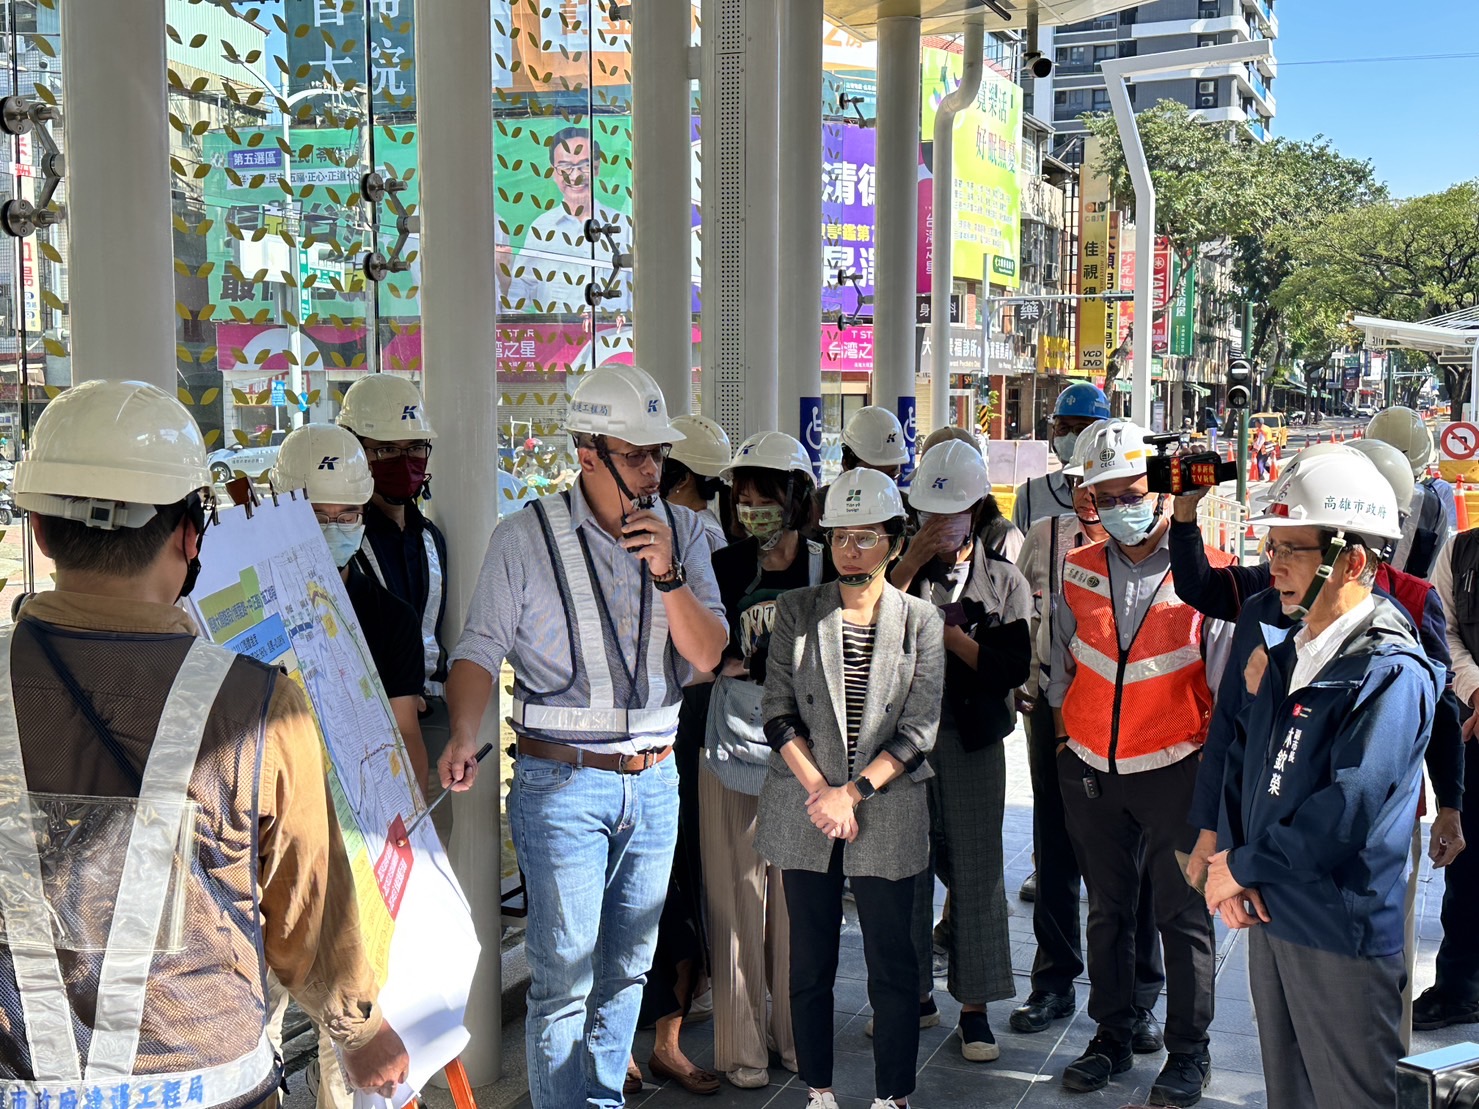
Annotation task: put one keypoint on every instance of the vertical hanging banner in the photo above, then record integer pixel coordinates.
(849, 198)
(1160, 290)
(1183, 308)
(1112, 284)
(1125, 283)
(1093, 274)
(811, 433)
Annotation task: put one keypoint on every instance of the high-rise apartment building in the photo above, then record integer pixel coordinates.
(1238, 93)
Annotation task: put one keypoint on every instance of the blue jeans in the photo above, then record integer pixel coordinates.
(596, 849)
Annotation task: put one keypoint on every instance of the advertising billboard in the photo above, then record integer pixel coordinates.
(849, 202)
(987, 194)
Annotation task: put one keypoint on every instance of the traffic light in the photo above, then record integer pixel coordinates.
(1239, 382)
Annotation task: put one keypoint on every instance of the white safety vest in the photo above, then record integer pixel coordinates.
(431, 649)
(603, 698)
(63, 1077)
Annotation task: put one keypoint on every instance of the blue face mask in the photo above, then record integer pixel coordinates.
(343, 540)
(1130, 526)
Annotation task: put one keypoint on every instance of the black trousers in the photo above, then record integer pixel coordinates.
(1458, 955)
(1135, 824)
(1055, 914)
(885, 910)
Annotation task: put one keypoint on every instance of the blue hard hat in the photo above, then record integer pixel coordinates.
(1082, 398)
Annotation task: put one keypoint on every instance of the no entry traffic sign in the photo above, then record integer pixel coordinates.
(1459, 441)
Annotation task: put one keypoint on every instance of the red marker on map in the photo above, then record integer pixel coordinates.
(440, 797)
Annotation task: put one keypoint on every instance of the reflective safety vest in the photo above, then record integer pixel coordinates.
(1148, 705)
(131, 966)
(431, 648)
(605, 700)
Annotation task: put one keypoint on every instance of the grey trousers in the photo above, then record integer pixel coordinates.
(1329, 1025)
(967, 803)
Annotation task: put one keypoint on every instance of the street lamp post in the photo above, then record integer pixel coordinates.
(1117, 72)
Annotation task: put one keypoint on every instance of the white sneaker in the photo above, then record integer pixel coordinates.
(887, 1103)
(749, 1078)
(816, 1099)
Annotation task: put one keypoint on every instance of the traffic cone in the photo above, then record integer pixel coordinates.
(1461, 503)
(1273, 467)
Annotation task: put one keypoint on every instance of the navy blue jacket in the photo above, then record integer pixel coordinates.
(1321, 788)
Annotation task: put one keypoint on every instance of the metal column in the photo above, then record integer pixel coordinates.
(662, 196)
(898, 218)
(942, 256)
(799, 235)
(458, 298)
(121, 268)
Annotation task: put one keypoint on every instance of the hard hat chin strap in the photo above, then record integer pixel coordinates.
(604, 454)
(1322, 575)
(858, 580)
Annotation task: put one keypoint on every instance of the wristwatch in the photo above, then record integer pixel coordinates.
(865, 788)
(675, 578)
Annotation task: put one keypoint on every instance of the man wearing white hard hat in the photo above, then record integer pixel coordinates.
(985, 603)
(872, 439)
(690, 476)
(604, 602)
(114, 704)
(1433, 516)
(402, 549)
(1132, 676)
(1320, 790)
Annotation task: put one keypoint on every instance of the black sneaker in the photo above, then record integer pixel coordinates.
(1433, 1009)
(1041, 1008)
(1028, 892)
(1146, 1039)
(1183, 1078)
(1104, 1058)
(977, 1043)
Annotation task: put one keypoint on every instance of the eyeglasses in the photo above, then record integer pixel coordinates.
(577, 173)
(382, 454)
(862, 540)
(635, 460)
(353, 518)
(1126, 500)
(1283, 552)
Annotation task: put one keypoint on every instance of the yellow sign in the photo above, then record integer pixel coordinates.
(1095, 273)
(1054, 354)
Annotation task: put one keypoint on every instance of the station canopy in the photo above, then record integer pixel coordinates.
(946, 16)
(1450, 338)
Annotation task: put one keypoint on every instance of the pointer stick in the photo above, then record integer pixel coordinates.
(440, 797)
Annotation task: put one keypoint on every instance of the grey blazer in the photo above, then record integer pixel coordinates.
(804, 679)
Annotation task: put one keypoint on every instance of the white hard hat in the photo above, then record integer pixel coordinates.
(1404, 429)
(770, 450)
(623, 402)
(1317, 450)
(110, 443)
(861, 497)
(951, 478)
(386, 407)
(1081, 447)
(327, 461)
(705, 447)
(1117, 450)
(1345, 492)
(1393, 465)
(875, 435)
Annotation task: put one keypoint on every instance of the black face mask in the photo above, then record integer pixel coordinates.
(196, 514)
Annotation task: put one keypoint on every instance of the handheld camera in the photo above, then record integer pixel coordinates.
(1181, 473)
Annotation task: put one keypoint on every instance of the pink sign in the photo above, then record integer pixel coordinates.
(924, 255)
(849, 350)
(1126, 282)
(1160, 289)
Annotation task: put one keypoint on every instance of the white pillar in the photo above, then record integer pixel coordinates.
(799, 234)
(762, 214)
(942, 256)
(121, 270)
(662, 197)
(898, 218)
(458, 294)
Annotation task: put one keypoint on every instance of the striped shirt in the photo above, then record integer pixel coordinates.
(516, 611)
(857, 661)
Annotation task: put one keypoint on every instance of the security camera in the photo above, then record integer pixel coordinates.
(1040, 65)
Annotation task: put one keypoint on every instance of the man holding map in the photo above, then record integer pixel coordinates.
(604, 602)
(118, 714)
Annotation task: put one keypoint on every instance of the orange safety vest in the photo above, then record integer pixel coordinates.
(1149, 705)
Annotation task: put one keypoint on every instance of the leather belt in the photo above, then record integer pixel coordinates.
(575, 756)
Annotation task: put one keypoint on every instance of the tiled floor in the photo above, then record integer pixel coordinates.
(1030, 1068)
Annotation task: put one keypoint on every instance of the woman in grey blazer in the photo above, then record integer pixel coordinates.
(852, 701)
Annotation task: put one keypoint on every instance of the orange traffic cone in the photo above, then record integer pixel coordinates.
(1273, 467)
(1461, 503)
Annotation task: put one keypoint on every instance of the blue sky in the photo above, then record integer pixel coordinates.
(1413, 120)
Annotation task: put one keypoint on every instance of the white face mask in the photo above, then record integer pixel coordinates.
(1063, 446)
(957, 527)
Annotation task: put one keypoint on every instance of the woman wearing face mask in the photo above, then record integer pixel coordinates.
(852, 701)
(771, 481)
(993, 528)
(986, 604)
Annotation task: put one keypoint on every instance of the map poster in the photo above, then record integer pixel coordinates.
(269, 589)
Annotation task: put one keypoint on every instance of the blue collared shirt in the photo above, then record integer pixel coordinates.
(517, 612)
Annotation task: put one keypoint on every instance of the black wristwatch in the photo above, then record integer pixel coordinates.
(865, 788)
(676, 578)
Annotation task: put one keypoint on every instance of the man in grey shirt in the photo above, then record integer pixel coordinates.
(605, 607)
(1133, 670)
